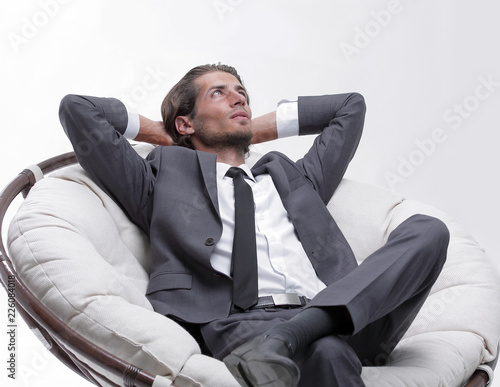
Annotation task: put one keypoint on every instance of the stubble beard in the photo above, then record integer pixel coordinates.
(238, 140)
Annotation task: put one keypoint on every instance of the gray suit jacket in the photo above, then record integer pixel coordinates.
(172, 196)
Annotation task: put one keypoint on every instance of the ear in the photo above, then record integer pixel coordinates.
(184, 125)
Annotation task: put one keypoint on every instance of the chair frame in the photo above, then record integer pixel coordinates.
(63, 342)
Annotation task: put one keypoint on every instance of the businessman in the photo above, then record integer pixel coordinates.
(249, 260)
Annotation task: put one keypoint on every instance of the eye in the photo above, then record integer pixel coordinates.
(217, 92)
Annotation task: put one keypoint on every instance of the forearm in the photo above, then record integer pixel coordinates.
(344, 111)
(283, 122)
(339, 119)
(109, 111)
(88, 119)
(264, 128)
(152, 132)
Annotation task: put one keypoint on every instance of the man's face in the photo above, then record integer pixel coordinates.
(223, 117)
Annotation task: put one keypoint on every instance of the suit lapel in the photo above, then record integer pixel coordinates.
(270, 165)
(323, 242)
(208, 169)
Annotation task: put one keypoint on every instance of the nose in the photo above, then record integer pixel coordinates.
(237, 98)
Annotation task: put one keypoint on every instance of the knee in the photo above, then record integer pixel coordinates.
(439, 231)
(431, 228)
(434, 234)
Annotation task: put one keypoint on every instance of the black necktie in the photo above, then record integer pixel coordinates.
(244, 259)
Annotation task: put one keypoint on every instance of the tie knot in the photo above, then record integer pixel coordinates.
(235, 171)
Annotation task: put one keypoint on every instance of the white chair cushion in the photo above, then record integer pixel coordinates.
(458, 327)
(79, 254)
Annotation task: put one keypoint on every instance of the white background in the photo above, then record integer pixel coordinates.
(431, 128)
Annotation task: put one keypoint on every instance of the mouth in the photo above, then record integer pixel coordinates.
(239, 115)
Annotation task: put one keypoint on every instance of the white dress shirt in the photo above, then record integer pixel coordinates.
(283, 266)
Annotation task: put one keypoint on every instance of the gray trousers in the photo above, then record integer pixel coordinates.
(383, 296)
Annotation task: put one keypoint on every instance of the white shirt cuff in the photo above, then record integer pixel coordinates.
(287, 118)
(133, 125)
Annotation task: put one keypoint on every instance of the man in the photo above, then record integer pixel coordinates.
(311, 316)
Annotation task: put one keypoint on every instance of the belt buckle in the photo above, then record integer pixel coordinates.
(286, 299)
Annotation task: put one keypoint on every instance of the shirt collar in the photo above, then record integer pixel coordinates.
(222, 169)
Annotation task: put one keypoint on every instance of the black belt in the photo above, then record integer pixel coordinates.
(283, 300)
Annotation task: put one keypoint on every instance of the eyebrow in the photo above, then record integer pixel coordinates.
(223, 87)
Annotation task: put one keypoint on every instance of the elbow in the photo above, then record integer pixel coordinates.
(357, 114)
(358, 110)
(358, 101)
(69, 109)
(65, 108)
(68, 104)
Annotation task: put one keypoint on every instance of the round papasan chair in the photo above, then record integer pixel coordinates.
(80, 269)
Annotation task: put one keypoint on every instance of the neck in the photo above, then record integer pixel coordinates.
(225, 154)
(232, 158)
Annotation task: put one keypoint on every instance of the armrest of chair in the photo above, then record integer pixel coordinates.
(480, 378)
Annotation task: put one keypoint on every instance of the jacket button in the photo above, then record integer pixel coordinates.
(209, 241)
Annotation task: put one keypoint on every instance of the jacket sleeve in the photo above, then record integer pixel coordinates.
(339, 121)
(95, 127)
